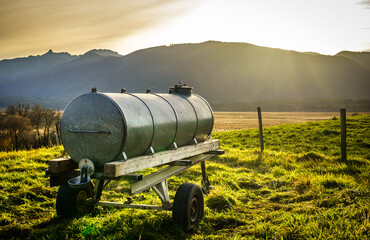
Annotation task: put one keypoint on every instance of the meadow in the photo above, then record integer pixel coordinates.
(298, 188)
(226, 121)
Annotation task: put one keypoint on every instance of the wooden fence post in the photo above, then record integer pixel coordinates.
(57, 133)
(343, 126)
(260, 128)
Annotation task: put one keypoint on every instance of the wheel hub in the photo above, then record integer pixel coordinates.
(81, 204)
(194, 210)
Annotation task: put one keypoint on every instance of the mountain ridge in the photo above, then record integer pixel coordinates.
(220, 72)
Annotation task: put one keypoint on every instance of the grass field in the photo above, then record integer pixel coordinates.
(225, 121)
(297, 189)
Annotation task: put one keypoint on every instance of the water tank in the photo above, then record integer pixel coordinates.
(105, 127)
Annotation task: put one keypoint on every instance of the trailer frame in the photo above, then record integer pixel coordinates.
(176, 160)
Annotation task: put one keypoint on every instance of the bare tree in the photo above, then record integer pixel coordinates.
(36, 117)
(49, 116)
(11, 110)
(18, 126)
(5, 138)
(21, 109)
(17, 123)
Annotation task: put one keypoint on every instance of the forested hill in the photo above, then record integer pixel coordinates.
(220, 72)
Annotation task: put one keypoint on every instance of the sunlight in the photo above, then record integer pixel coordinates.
(312, 26)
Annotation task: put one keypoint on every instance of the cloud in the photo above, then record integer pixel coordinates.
(28, 26)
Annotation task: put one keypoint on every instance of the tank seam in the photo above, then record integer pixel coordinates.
(195, 111)
(123, 120)
(174, 110)
(209, 106)
(151, 115)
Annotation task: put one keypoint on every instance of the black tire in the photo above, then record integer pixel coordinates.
(69, 201)
(188, 205)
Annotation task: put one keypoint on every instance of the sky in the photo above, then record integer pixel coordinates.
(32, 27)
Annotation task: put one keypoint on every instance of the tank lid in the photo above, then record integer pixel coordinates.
(181, 89)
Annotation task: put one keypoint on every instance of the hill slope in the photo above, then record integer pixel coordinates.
(297, 189)
(221, 72)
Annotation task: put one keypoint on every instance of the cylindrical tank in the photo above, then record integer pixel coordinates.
(105, 127)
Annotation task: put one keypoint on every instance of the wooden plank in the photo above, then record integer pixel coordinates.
(161, 175)
(61, 165)
(119, 168)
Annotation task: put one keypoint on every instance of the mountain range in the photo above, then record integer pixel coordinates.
(224, 73)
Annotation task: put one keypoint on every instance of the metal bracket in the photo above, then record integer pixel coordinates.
(151, 150)
(98, 189)
(206, 186)
(216, 152)
(161, 175)
(128, 205)
(181, 163)
(162, 191)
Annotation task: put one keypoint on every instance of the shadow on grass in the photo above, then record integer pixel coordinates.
(15, 231)
(123, 226)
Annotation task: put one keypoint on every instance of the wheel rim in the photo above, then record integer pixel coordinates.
(81, 198)
(194, 209)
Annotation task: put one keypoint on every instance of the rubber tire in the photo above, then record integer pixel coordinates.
(66, 203)
(188, 205)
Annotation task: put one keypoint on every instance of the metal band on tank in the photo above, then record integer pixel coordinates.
(210, 109)
(151, 115)
(196, 114)
(123, 119)
(174, 110)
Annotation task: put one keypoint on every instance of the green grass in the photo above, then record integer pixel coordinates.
(297, 189)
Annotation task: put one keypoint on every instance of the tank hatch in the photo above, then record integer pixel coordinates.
(181, 89)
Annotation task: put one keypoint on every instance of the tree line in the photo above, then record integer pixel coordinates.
(25, 127)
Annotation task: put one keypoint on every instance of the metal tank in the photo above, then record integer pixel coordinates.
(105, 127)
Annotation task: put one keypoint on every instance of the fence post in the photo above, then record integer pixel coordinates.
(57, 133)
(343, 128)
(260, 128)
